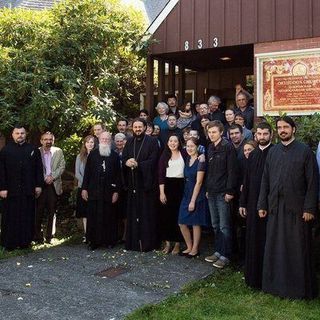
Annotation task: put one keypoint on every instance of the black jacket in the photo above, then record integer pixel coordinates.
(222, 168)
(20, 169)
(102, 176)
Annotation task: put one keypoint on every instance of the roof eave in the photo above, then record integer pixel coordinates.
(161, 17)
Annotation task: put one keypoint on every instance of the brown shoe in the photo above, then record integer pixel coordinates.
(220, 264)
(211, 259)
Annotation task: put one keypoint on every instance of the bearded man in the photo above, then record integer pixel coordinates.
(255, 226)
(289, 197)
(101, 185)
(21, 179)
(139, 160)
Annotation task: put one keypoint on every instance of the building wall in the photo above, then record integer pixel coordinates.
(220, 82)
(235, 22)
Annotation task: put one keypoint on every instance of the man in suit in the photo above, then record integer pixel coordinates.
(53, 167)
(20, 184)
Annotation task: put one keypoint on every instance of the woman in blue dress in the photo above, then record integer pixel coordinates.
(193, 207)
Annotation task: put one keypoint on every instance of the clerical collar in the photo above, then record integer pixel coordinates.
(264, 147)
(139, 138)
(286, 143)
(20, 143)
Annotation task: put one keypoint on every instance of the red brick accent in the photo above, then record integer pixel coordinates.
(297, 44)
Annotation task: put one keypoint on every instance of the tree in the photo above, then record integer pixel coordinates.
(69, 66)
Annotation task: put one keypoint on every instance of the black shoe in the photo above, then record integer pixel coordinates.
(26, 246)
(38, 241)
(92, 247)
(191, 256)
(9, 249)
(183, 254)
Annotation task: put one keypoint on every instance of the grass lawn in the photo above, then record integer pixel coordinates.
(224, 295)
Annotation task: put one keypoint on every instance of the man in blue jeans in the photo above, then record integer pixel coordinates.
(221, 184)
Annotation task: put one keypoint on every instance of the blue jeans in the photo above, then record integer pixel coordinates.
(221, 222)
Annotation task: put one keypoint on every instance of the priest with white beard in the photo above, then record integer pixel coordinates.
(101, 185)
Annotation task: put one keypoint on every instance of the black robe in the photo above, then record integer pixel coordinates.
(289, 187)
(20, 173)
(255, 226)
(101, 179)
(142, 191)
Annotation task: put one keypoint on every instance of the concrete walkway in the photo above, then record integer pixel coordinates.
(71, 282)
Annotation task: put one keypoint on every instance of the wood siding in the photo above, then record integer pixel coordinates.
(236, 22)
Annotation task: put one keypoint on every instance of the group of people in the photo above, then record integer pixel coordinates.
(27, 174)
(166, 179)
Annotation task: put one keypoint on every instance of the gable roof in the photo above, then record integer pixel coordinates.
(157, 11)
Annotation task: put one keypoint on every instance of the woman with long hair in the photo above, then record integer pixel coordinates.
(81, 205)
(194, 207)
(171, 183)
(186, 116)
(229, 115)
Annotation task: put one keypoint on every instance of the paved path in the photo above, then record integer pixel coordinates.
(62, 282)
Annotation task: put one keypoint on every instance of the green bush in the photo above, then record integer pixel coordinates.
(308, 128)
(76, 61)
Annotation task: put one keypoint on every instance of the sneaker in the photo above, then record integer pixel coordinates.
(212, 258)
(220, 264)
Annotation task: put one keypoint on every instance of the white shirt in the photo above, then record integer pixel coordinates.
(175, 168)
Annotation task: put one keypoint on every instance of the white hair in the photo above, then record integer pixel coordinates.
(162, 104)
(120, 136)
(214, 98)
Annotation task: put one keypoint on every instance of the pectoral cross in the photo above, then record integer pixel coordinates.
(104, 165)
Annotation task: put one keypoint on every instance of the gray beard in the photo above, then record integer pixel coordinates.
(104, 150)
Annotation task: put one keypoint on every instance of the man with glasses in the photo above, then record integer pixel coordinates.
(245, 109)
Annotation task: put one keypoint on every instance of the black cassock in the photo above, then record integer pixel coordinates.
(142, 191)
(289, 187)
(20, 173)
(255, 226)
(101, 179)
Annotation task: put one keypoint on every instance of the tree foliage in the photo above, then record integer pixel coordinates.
(308, 128)
(74, 62)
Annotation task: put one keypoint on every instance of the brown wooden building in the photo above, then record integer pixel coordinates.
(204, 47)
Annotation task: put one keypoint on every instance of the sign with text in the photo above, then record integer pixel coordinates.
(288, 82)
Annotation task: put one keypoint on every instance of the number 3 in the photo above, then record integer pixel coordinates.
(215, 42)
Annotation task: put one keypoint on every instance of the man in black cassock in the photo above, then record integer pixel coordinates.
(140, 158)
(255, 226)
(21, 178)
(289, 196)
(100, 187)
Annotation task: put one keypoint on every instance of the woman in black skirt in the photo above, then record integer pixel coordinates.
(171, 185)
(81, 205)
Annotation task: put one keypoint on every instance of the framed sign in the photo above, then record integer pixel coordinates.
(288, 82)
